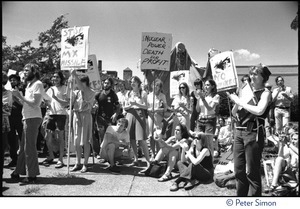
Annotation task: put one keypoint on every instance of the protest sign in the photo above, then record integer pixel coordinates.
(74, 48)
(93, 72)
(177, 77)
(156, 48)
(224, 71)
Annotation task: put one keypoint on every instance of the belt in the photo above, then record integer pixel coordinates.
(206, 116)
(280, 107)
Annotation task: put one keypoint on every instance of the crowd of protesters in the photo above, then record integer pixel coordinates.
(189, 133)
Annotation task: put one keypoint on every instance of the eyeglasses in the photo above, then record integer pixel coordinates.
(181, 87)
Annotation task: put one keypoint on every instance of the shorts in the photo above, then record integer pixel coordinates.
(56, 122)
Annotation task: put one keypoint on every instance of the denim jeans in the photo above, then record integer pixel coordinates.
(247, 155)
(27, 163)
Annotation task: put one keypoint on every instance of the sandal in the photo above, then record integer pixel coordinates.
(165, 177)
(75, 168)
(47, 162)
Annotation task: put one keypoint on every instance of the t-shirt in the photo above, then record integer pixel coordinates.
(56, 107)
(107, 103)
(282, 100)
(158, 100)
(124, 135)
(210, 100)
(30, 111)
(140, 98)
(183, 100)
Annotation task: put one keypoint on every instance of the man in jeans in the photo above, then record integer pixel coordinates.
(282, 98)
(27, 163)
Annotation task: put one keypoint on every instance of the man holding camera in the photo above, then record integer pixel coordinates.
(282, 98)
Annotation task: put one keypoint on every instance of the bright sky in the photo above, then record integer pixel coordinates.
(258, 32)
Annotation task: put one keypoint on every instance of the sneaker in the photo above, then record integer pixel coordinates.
(98, 157)
(114, 168)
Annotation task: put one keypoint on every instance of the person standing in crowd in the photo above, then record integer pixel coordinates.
(220, 124)
(249, 136)
(156, 109)
(122, 96)
(195, 164)
(15, 121)
(27, 163)
(282, 98)
(182, 106)
(7, 101)
(115, 137)
(195, 114)
(83, 100)
(108, 106)
(172, 148)
(41, 141)
(207, 105)
(57, 118)
(136, 106)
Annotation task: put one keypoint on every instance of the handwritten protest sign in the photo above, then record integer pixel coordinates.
(74, 48)
(177, 77)
(224, 71)
(93, 72)
(156, 48)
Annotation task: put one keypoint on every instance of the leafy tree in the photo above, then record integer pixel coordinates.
(49, 46)
(47, 55)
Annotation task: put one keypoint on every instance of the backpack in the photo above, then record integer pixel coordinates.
(222, 178)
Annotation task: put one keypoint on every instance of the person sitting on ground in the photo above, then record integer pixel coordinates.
(172, 148)
(196, 163)
(287, 161)
(225, 137)
(115, 137)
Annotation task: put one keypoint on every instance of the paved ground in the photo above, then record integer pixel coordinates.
(100, 182)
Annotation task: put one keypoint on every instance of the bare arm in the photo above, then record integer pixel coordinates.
(204, 152)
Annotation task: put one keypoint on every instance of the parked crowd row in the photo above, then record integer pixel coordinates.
(188, 133)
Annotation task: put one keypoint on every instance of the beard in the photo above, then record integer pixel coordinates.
(29, 77)
(106, 88)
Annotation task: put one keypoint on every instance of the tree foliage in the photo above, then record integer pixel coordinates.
(46, 55)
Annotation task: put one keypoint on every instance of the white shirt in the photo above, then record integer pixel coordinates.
(210, 100)
(56, 107)
(123, 136)
(30, 111)
(282, 100)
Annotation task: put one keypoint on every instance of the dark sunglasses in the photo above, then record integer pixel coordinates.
(181, 87)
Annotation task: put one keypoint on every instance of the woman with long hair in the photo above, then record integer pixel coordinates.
(172, 149)
(83, 100)
(136, 107)
(157, 105)
(207, 104)
(195, 164)
(181, 105)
